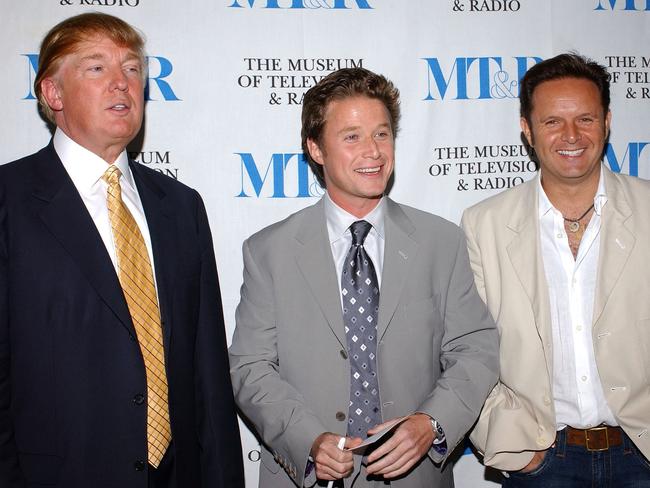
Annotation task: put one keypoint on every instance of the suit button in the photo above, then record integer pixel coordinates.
(138, 399)
(132, 337)
(343, 354)
(139, 465)
(340, 416)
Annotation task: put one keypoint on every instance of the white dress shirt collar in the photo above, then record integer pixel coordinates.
(600, 198)
(85, 167)
(340, 238)
(339, 220)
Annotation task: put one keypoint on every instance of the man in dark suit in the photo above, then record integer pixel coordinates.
(113, 369)
(358, 311)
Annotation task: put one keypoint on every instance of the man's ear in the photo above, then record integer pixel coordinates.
(525, 128)
(315, 151)
(52, 94)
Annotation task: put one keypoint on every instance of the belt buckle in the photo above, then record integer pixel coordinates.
(589, 448)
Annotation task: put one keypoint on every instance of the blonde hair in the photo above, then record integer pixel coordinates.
(65, 37)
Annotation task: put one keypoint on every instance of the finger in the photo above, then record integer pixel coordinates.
(352, 442)
(334, 458)
(384, 462)
(382, 451)
(379, 427)
(332, 452)
(329, 471)
(395, 464)
(382, 426)
(398, 472)
(393, 442)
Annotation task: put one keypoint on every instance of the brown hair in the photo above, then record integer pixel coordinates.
(567, 65)
(64, 38)
(344, 83)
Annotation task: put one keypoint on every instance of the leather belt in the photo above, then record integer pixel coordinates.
(598, 438)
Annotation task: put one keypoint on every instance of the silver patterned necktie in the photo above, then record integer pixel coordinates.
(360, 292)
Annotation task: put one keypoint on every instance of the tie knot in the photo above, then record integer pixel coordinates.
(112, 175)
(359, 231)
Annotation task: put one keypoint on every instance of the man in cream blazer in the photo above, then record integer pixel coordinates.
(293, 355)
(568, 290)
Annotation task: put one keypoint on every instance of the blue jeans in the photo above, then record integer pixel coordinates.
(567, 466)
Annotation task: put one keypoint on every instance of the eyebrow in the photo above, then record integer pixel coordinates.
(93, 57)
(385, 125)
(581, 114)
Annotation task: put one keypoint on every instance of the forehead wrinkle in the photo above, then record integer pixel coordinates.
(99, 56)
(349, 128)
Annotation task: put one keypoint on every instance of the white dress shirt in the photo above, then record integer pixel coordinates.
(577, 390)
(86, 169)
(338, 229)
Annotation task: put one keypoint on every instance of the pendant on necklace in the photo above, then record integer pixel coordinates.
(574, 226)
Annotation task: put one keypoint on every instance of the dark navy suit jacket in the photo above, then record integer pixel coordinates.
(70, 364)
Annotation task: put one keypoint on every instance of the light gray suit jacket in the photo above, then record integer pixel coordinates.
(504, 248)
(436, 352)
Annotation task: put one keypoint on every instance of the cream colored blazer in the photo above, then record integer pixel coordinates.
(503, 241)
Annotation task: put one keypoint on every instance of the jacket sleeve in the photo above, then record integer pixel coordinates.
(502, 405)
(468, 356)
(10, 473)
(221, 454)
(274, 406)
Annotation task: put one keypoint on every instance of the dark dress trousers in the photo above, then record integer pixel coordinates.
(72, 380)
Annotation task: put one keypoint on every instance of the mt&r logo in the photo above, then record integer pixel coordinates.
(302, 4)
(286, 175)
(476, 78)
(637, 5)
(633, 154)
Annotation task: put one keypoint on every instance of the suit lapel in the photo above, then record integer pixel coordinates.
(526, 258)
(158, 214)
(315, 261)
(64, 214)
(616, 242)
(399, 254)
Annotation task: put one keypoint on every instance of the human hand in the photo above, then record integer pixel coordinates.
(534, 463)
(330, 462)
(411, 440)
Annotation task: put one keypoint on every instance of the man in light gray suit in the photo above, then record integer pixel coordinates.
(358, 311)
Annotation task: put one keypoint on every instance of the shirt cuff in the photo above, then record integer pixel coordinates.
(310, 473)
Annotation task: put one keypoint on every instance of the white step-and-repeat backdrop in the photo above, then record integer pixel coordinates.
(226, 80)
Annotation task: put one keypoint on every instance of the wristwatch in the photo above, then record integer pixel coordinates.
(439, 441)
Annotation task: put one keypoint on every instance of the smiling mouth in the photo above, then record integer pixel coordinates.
(571, 153)
(369, 171)
(119, 107)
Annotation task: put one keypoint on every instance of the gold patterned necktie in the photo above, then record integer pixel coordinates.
(136, 278)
